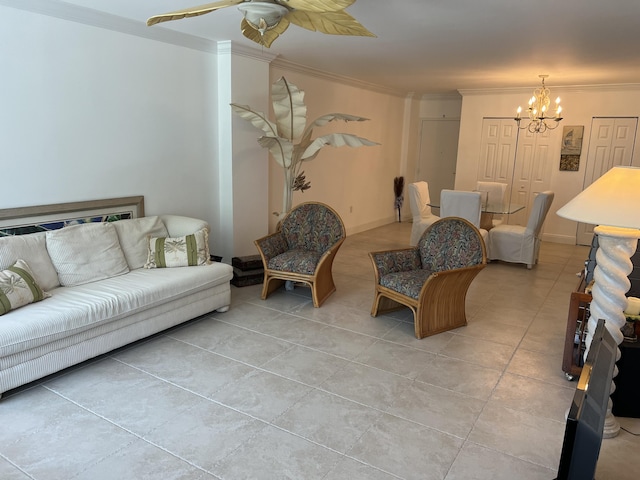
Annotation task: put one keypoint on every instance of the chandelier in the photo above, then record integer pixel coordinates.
(540, 119)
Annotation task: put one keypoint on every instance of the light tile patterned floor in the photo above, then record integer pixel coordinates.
(277, 389)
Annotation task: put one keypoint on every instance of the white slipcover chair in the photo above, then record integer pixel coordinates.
(494, 196)
(467, 205)
(518, 244)
(420, 210)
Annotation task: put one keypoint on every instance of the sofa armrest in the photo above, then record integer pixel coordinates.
(178, 225)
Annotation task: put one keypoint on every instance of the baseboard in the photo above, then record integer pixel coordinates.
(565, 239)
(368, 226)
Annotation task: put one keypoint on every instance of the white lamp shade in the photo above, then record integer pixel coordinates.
(612, 200)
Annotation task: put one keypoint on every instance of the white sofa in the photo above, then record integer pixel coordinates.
(101, 295)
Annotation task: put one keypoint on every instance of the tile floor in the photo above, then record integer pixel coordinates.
(277, 389)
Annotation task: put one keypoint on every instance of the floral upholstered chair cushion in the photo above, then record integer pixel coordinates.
(450, 245)
(312, 226)
(305, 235)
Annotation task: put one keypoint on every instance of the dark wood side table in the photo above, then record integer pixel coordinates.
(577, 318)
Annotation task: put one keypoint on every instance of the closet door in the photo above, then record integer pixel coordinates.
(532, 173)
(497, 150)
(611, 144)
(526, 169)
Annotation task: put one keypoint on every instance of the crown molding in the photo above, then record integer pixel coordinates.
(314, 72)
(564, 88)
(225, 47)
(94, 18)
(442, 96)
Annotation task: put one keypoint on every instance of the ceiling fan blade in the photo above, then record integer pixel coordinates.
(317, 5)
(268, 37)
(332, 23)
(192, 12)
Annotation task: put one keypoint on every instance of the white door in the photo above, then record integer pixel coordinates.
(526, 169)
(532, 173)
(611, 144)
(438, 154)
(497, 150)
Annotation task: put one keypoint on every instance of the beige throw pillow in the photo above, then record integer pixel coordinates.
(189, 250)
(85, 253)
(32, 248)
(133, 235)
(18, 287)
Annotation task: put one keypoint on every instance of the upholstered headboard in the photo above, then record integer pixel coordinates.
(39, 218)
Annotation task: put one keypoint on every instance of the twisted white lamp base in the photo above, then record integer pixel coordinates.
(613, 266)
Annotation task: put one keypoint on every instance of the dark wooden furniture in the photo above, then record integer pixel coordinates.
(577, 318)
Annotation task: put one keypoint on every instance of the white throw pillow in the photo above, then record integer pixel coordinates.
(133, 235)
(32, 248)
(18, 287)
(85, 253)
(186, 251)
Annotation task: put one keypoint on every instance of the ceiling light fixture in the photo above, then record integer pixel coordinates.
(263, 16)
(266, 20)
(538, 111)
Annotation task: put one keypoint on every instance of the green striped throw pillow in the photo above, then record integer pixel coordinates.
(18, 287)
(186, 251)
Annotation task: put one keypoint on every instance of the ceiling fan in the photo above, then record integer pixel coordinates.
(266, 20)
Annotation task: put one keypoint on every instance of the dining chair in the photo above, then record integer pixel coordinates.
(467, 205)
(419, 200)
(518, 244)
(494, 196)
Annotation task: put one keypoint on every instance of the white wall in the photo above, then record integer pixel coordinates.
(89, 113)
(356, 182)
(580, 104)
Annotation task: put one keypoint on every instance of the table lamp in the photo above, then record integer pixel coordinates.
(611, 203)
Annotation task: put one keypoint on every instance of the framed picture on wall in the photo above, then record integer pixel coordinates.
(571, 148)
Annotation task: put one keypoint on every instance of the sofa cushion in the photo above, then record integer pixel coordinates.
(133, 235)
(99, 305)
(32, 248)
(86, 253)
(18, 287)
(185, 251)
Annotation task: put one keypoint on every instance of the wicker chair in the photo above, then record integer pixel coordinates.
(431, 278)
(302, 250)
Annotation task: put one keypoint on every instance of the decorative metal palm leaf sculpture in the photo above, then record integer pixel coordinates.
(290, 126)
(266, 20)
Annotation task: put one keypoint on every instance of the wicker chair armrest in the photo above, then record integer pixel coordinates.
(271, 246)
(391, 261)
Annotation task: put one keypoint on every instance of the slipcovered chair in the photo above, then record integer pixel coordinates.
(494, 192)
(467, 205)
(302, 250)
(420, 210)
(518, 244)
(431, 278)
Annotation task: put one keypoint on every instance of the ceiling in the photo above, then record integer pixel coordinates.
(441, 46)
